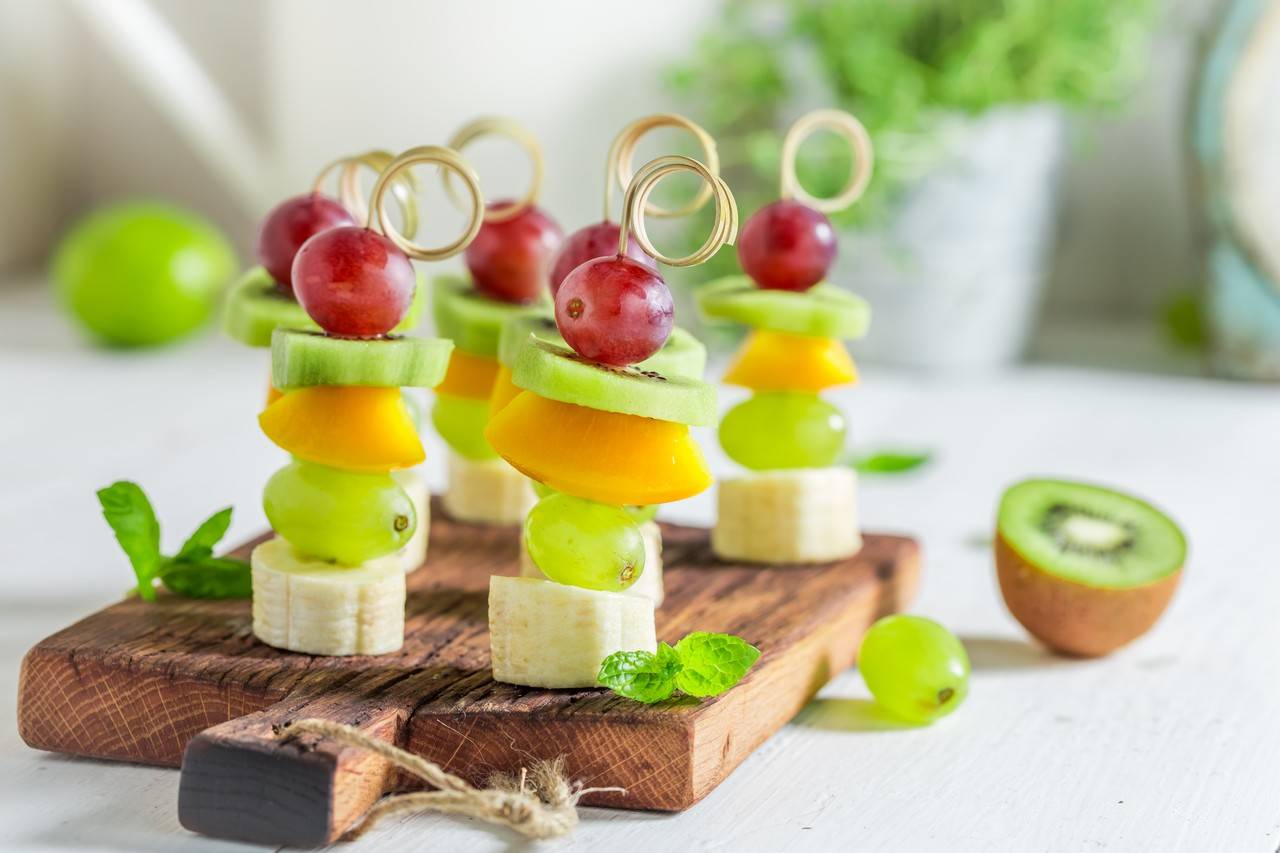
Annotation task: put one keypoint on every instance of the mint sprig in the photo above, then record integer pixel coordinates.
(702, 664)
(890, 462)
(193, 572)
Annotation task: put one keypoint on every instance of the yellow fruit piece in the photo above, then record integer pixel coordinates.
(776, 361)
(469, 376)
(602, 456)
(353, 427)
(504, 390)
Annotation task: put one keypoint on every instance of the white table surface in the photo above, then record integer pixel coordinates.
(1170, 744)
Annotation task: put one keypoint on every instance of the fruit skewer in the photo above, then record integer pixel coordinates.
(263, 300)
(332, 581)
(797, 504)
(682, 355)
(508, 264)
(602, 435)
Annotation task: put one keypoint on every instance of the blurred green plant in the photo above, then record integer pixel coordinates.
(903, 67)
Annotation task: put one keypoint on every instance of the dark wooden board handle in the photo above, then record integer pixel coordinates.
(247, 779)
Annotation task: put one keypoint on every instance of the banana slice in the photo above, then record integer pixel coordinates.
(648, 585)
(312, 606)
(546, 634)
(488, 491)
(804, 515)
(414, 553)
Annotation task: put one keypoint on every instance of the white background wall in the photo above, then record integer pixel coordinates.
(314, 79)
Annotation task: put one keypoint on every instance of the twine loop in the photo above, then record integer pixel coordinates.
(723, 232)
(539, 804)
(859, 140)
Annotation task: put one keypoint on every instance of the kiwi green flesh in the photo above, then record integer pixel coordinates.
(473, 321)
(300, 359)
(1090, 534)
(255, 308)
(682, 354)
(558, 373)
(824, 310)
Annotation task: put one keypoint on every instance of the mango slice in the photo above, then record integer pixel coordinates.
(602, 456)
(353, 427)
(469, 376)
(777, 361)
(504, 390)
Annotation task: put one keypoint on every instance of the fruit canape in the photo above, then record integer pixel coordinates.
(682, 355)
(508, 264)
(797, 504)
(264, 299)
(332, 581)
(603, 435)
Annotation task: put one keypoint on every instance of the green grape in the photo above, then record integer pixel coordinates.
(337, 515)
(783, 430)
(914, 667)
(584, 543)
(639, 514)
(460, 422)
(141, 274)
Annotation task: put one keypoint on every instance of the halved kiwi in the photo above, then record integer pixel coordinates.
(1084, 568)
(472, 320)
(558, 373)
(824, 310)
(255, 308)
(300, 359)
(682, 354)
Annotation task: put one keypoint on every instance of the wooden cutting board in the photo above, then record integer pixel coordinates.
(185, 683)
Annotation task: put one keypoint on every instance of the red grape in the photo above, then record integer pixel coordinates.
(787, 246)
(510, 259)
(593, 241)
(614, 310)
(354, 282)
(290, 224)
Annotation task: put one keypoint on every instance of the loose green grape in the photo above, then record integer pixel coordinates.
(584, 543)
(460, 422)
(339, 515)
(783, 430)
(914, 667)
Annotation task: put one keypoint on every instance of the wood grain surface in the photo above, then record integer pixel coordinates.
(151, 682)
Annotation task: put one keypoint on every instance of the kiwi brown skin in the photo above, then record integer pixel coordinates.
(1072, 618)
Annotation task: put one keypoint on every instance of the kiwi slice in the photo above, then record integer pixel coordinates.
(256, 308)
(558, 373)
(1084, 568)
(824, 310)
(299, 359)
(472, 320)
(682, 354)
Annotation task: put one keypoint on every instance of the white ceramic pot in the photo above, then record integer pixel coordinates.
(955, 277)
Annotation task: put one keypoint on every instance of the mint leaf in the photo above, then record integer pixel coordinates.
(890, 462)
(640, 675)
(208, 577)
(127, 510)
(712, 663)
(200, 544)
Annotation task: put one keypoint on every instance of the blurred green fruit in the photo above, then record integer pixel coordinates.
(142, 273)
